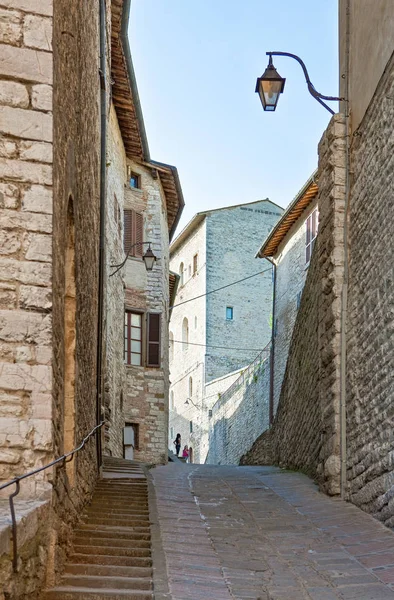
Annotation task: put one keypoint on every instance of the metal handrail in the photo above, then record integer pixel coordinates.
(16, 481)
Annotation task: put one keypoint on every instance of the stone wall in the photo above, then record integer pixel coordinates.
(25, 239)
(240, 414)
(305, 434)
(146, 396)
(114, 293)
(231, 257)
(291, 271)
(370, 334)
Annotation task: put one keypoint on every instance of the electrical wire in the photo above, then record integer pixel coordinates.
(222, 347)
(221, 288)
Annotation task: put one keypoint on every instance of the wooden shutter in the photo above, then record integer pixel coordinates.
(153, 339)
(139, 234)
(128, 240)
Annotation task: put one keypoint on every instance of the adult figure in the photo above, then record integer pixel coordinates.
(177, 443)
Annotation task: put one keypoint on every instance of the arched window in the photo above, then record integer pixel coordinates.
(69, 342)
(171, 346)
(172, 401)
(190, 387)
(181, 271)
(185, 334)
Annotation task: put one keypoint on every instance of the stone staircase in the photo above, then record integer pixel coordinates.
(111, 557)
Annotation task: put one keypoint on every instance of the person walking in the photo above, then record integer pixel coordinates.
(185, 453)
(177, 443)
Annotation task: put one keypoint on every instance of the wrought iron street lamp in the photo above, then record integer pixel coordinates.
(271, 84)
(149, 258)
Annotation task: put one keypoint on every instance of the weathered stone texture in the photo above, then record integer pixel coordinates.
(370, 331)
(240, 414)
(305, 433)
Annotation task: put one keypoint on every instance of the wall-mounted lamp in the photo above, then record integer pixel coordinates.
(271, 84)
(149, 258)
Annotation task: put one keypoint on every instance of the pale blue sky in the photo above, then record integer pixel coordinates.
(196, 63)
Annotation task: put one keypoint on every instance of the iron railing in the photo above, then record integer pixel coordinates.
(16, 481)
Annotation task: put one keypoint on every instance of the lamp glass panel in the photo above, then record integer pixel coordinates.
(270, 90)
(149, 262)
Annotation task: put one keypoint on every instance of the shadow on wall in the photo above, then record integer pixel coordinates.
(240, 417)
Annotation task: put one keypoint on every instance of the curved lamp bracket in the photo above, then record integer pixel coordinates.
(312, 90)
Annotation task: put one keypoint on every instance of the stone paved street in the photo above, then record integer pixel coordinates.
(258, 533)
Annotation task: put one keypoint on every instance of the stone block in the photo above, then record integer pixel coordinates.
(29, 221)
(40, 406)
(10, 27)
(23, 354)
(39, 247)
(42, 432)
(14, 94)
(8, 299)
(24, 327)
(27, 124)
(37, 199)
(26, 172)
(35, 298)
(37, 32)
(25, 63)
(9, 242)
(43, 355)
(39, 7)
(11, 457)
(41, 97)
(8, 148)
(9, 195)
(36, 151)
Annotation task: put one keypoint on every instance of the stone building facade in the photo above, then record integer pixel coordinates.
(351, 450)
(70, 127)
(213, 335)
(289, 246)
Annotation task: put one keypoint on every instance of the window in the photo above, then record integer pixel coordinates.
(311, 233)
(195, 264)
(276, 327)
(131, 435)
(142, 331)
(190, 387)
(133, 233)
(133, 339)
(181, 271)
(190, 271)
(171, 432)
(299, 299)
(191, 426)
(185, 334)
(229, 313)
(134, 181)
(210, 413)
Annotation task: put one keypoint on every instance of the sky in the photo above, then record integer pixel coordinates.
(196, 64)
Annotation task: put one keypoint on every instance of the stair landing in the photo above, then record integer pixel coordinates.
(111, 557)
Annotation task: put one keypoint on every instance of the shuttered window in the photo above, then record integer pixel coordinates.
(142, 333)
(311, 233)
(153, 340)
(133, 233)
(195, 264)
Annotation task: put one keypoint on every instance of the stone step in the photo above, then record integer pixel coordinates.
(106, 570)
(81, 593)
(112, 550)
(97, 509)
(103, 541)
(102, 559)
(115, 521)
(113, 528)
(108, 533)
(115, 583)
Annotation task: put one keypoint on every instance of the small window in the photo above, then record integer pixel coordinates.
(191, 426)
(181, 273)
(185, 334)
(190, 387)
(310, 234)
(172, 432)
(190, 271)
(229, 313)
(299, 299)
(195, 322)
(133, 339)
(210, 413)
(134, 181)
(172, 402)
(195, 264)
(133, 233)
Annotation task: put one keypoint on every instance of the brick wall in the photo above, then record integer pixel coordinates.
(370, 351)
(305, 433)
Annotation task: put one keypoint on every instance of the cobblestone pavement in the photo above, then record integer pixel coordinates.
(258, 533)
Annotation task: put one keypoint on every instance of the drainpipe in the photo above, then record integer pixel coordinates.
(343, 441)
(272, 353)
(103, 151)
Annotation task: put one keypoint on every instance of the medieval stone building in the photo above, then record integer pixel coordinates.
(334, 416)
(72, 137)
(215, 335)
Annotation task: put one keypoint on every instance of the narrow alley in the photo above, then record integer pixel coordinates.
(260, 533)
